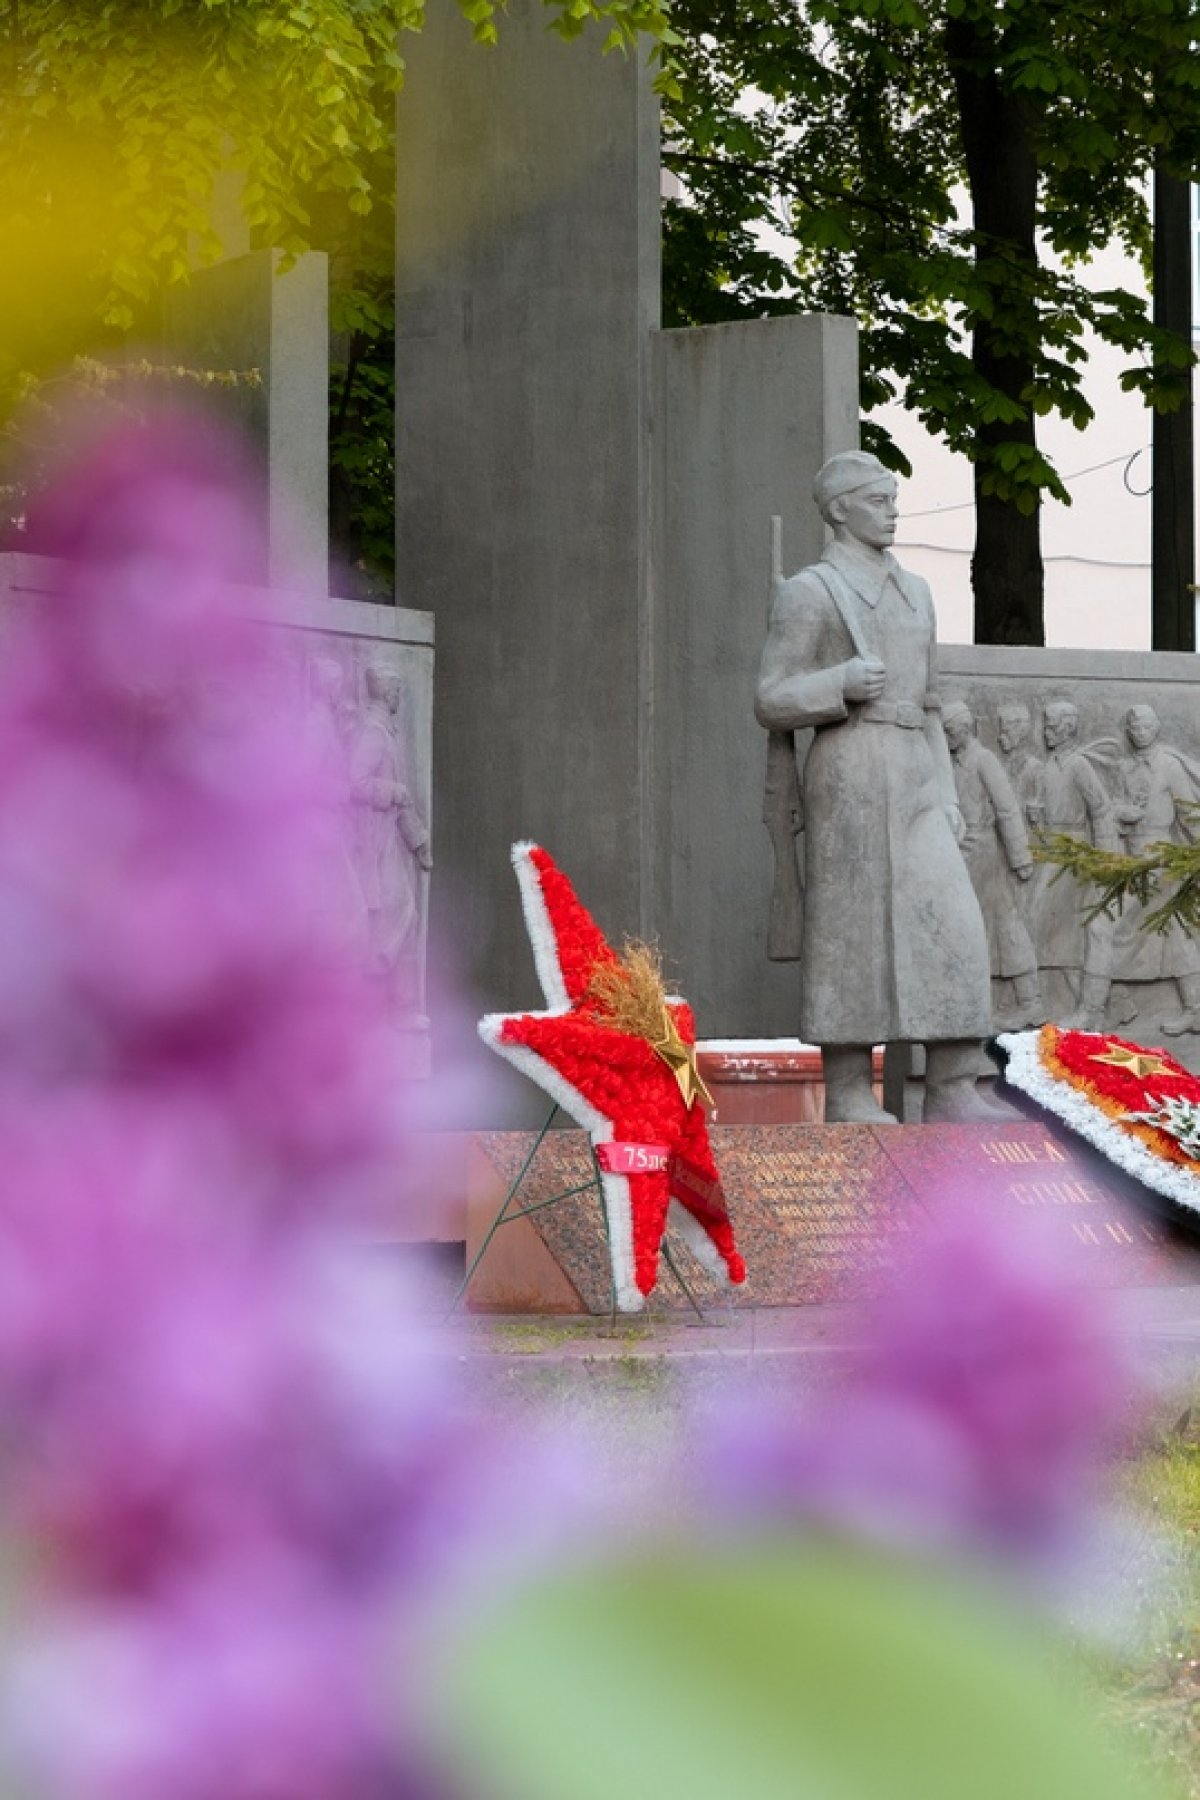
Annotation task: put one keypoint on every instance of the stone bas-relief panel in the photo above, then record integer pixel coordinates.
(361, 676)
(1105, 746)
(364, 676)
(360, 712)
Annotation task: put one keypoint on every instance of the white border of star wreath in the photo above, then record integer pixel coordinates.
(617, 1196)
(1027, 1071)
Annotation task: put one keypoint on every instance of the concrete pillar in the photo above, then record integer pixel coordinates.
(244, 313)
(584, 503)
(744, 416)
(527, 286)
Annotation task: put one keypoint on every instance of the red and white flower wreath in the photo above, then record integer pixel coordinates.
(1139, 1107)
(635, 1094)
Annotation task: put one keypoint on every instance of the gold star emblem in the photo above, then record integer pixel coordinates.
(680, 1058)
(1139, 1063)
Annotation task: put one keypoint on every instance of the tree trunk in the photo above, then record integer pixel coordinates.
(1173, 553)
(1006, 569)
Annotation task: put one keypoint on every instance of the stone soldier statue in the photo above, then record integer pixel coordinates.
(1156, 781)
(995, 845)
(1076, 802)
(893, 946)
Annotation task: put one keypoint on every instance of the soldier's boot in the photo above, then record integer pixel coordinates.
(1028, 1007)
(952, 1093)
(849, 1096)
(1027, 991)
(1093, 1004)
(1189, 1018)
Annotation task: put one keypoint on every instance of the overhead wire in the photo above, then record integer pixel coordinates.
(930, 512)
(1095, 562)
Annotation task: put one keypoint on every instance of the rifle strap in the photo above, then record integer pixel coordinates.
(840, 595)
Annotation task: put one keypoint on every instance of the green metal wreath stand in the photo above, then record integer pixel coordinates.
(507, 1212)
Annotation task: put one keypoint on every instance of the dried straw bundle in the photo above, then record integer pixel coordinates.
(629, 993)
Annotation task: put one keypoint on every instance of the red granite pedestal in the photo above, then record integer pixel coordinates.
(819, 1209)
(754, 1085)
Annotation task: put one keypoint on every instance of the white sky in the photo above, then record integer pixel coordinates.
(1097, 550)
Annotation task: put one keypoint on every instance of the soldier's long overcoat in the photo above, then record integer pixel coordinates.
(1157, 781)
(894, 945)
(1076, 802)
(995, 844)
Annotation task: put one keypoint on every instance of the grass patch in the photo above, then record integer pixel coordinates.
(1152, 1687)
(521, 1337)
(530, 1337)
(637, 1374)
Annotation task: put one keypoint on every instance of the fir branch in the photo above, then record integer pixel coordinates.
(1167, 871)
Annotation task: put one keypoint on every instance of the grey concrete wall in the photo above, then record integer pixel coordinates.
(354, 632)
(527, 285)
(744, 416)
(1093, 679)
(245, 314)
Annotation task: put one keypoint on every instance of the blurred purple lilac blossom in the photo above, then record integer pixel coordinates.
(236, 1465)
(976, 1414)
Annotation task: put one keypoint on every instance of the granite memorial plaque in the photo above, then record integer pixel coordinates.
(1114, 1232)
(820, 1210)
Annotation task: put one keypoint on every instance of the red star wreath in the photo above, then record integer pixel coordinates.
(618, 1054)
(1139, 1107)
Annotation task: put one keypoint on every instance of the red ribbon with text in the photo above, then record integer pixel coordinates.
(620, 1158)
(697, 1191)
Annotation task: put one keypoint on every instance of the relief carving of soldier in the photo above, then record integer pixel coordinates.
(394, 844)
(335, 883)
(1025, 771)
(995, 845)
(1077, 802)
(1156, 781)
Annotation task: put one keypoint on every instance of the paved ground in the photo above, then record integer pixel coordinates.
(630, 1391)
(595, 1368)
(628, 1377)
(1159, 1316)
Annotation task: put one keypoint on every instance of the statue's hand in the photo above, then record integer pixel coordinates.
(865, 677)
(957, 826)
(1024, 872)
(425, 856)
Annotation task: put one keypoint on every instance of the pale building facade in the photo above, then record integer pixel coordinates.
(1097, 550)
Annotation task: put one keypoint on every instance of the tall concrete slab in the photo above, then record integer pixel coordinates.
(250, 313)
(527, 288)
(584, 503)
(744, 416)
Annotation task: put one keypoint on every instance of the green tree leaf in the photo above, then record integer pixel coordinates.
(780, 1674)
(870, 122)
